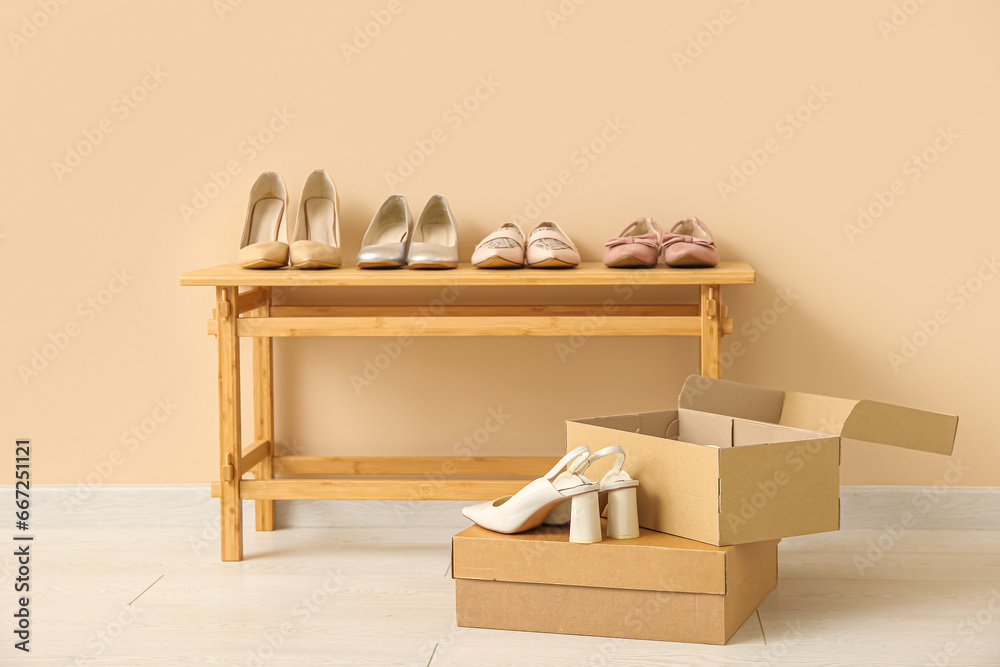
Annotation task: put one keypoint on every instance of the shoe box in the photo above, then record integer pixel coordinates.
(656, 586)
(736, 463)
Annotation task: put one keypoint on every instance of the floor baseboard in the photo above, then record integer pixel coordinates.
(872, 507)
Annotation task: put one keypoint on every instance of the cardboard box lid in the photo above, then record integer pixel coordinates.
(653, 561)
(862, 420)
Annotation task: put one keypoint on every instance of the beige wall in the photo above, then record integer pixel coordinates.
(95, 246)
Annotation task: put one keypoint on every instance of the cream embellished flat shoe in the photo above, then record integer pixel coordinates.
(266, 217)
(315, 241)
(527, 508)
(434, 244)
(503, 248)
(549, 247)
(385, 243)
(623, 511)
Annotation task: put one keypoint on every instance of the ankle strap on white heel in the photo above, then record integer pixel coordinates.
(582, 465)
(576, 456)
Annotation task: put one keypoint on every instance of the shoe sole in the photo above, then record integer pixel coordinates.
(433, 265)
(315, 265)
(552, 263)
(629, 263)
(686, 262)
(262, 264)
(379, 265)
(498, 263)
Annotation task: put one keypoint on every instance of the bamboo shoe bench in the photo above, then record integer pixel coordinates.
(253, 313)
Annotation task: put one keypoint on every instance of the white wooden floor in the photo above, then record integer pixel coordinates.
(132, 577)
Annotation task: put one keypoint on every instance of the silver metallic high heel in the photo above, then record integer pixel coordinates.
(434, 244)
(386, 241)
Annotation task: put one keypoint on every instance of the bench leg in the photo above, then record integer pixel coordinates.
(711, 331)
(231, 506)
(263, 413)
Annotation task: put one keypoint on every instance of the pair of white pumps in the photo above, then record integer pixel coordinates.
(565, 495)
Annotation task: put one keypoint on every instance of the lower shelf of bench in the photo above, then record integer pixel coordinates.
(375, 489)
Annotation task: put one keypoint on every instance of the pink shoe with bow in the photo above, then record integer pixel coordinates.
(690, 245)
(637, 247)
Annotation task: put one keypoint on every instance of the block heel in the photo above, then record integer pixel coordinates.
(623, 514)
(585, 519)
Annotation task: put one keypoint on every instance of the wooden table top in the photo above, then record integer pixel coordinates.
(588, 273)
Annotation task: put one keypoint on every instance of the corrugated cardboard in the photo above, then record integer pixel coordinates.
(737, 463)
(657, 586)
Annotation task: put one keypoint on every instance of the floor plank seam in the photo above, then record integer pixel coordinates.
(145, 589)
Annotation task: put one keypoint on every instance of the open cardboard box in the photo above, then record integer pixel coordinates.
(656, 586)
(736, 463)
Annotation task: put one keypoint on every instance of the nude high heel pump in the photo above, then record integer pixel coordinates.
(623, 511)
(527, 508)
(315, 241)
(266, 216)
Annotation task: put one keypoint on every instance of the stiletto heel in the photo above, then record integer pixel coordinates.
(623, 514)
(585, 518)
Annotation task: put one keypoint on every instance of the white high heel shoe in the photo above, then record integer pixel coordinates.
(623, 512)
(527, 508)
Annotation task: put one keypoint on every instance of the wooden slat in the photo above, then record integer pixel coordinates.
(468, 326)
(255, 453)
(596, 311)
(727, 328)
(375, 489)
(251, 300)
(534, 466)
(588, 273)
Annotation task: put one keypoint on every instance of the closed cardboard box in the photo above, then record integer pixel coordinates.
(656, 586)
(736, 463)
